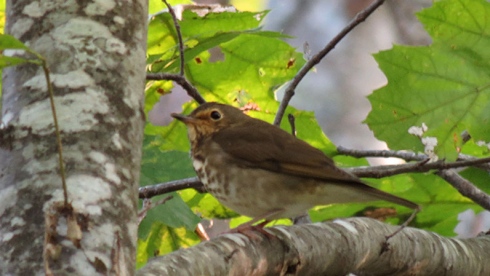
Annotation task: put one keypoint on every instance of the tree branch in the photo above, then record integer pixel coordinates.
(289, 93)
(466, 188)
(339, 247)
(171, 186)
(405, 155)
(422, 166)
(180, 80)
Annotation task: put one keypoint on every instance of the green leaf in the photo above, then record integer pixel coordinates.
(11, 61)
(163, 240)
(158, 166)
(199, 34)
(206, 205)
(194, 26)
(253, 66)
(10, 42)
(445, 85)
(173, 213)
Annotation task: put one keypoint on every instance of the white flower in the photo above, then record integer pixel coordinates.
(418, 131)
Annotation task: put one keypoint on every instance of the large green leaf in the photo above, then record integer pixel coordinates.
(200, 33)
(160, 167)
(252, 67)
(445, 85)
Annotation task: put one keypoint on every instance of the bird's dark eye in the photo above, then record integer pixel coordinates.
(215, 115)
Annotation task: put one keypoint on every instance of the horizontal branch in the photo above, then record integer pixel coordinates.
(172, 186)
(405, 155)
(422, 166)
(337, 247)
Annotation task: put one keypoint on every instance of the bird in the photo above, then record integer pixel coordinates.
(263, 172)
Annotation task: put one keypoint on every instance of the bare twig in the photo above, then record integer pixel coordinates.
(179, 36)
(465, 188)
(422, 166)
(147, 205)
(180, 80)
(289, 93)
(405, 155)
(56, 130)
(163, 188)
(483, 166)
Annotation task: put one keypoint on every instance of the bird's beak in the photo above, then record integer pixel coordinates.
(183, 118)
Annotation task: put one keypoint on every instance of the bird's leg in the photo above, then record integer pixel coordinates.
(385, 245)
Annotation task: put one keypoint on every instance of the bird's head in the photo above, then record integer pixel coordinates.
(210, 118)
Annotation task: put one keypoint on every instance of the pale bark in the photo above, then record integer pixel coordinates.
(332, 248)
(96, 55)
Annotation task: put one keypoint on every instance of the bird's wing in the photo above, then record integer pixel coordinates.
(273, 149)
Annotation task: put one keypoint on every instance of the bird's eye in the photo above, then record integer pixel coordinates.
(215, 115)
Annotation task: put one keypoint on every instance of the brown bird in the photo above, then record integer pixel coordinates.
(262, 171)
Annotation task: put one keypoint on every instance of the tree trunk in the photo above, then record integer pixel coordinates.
(96, 55)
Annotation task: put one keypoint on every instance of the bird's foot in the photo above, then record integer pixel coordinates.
(251, 231)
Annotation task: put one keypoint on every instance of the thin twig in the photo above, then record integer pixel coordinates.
(147, 205)
(385, 245)
(405, 155)
(422, 166)
(360, 17)
(179, 36)
(167, 187)
(180, 80)
(483, 166)
(56, 130)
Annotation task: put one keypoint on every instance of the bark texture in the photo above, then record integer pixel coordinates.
(333, 248)
(96, 56)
